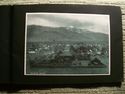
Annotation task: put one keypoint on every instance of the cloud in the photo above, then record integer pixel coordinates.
(94, 22)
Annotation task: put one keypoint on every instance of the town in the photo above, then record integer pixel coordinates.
(67, 54)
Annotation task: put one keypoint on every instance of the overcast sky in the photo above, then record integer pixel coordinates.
(92, 22)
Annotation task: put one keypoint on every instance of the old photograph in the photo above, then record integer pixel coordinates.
(67, 44)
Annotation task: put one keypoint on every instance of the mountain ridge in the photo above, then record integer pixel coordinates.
(36, 33)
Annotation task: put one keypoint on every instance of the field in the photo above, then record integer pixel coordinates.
(67, 58)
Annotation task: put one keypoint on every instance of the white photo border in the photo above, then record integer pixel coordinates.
(40, 74)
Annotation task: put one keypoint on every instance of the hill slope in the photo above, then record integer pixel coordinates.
(42, 33)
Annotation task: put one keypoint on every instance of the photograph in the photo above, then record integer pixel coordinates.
(67, 44)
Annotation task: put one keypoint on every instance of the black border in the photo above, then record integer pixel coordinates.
(5, 37)
(18, 41)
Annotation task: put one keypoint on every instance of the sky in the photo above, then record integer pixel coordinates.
(93, 22)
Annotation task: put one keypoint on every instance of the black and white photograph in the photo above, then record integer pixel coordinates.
(67, 44)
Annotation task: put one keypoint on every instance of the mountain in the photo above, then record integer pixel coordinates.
(37, 33)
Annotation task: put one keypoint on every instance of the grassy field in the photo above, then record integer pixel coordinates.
(69, 69)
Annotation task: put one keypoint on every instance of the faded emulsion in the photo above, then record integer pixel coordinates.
(67, 44)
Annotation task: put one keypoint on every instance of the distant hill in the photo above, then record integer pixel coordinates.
(43, 33)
